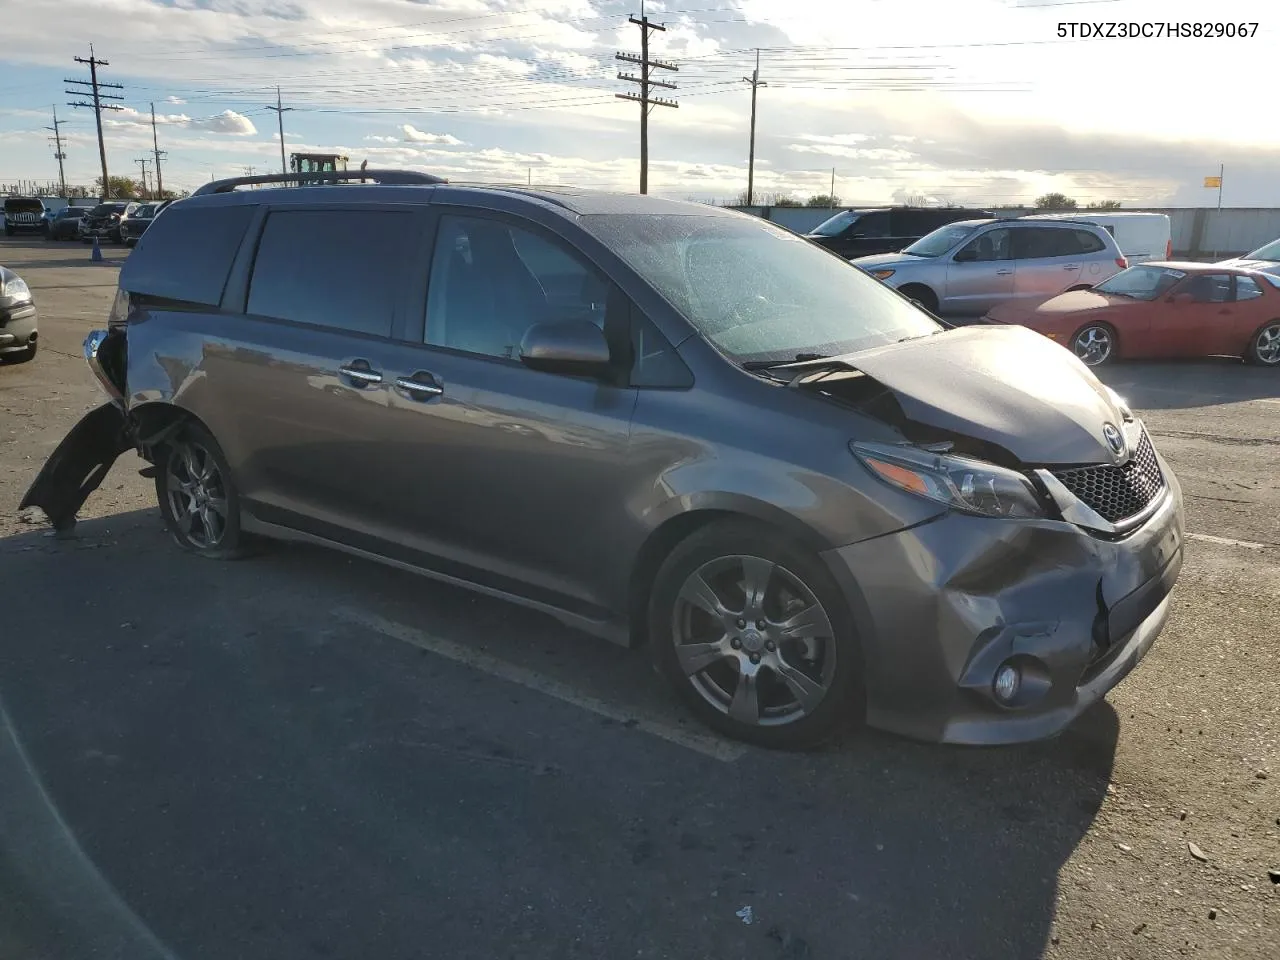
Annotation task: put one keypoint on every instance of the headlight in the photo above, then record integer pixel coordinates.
(973, 486)
(16, 289)
(883, 274)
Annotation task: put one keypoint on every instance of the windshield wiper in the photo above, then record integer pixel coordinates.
(798, 358)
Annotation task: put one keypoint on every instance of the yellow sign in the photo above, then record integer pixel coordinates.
(1213, 181)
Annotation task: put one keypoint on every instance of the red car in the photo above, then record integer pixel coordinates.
(1162, 309)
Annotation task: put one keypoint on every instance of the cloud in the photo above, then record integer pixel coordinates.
(373, 138)
(413, 135)
(175, 100)
(228, 121)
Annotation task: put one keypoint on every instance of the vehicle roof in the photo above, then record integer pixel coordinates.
(1188, 266)
(1087, 214)
(567, 200)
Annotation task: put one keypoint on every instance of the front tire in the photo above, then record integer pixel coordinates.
(1264, 347)
(1095, 344)
(198, 497)
(922, 295)
(755, 637)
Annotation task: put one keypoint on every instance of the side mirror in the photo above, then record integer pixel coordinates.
(577, 348)
(967, 255)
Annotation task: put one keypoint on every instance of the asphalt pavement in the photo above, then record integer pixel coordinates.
(304, 755)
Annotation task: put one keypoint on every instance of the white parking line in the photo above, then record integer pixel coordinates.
(706, 744)
(1227, 541)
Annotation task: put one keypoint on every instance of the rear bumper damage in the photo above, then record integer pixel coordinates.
(86, 454)
(946, 604)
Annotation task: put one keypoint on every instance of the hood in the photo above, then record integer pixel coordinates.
(1262, 266)
(879, 261)
(1007, 386)
(1076, 301)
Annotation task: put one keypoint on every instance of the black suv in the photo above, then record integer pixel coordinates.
(860, 233)
(25, 215)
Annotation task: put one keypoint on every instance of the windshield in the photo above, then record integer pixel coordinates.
(1270, 252)
(941, 240)
(756, 291)
(1141, 283)
(144, 212)
(836, 225)
(16, 205)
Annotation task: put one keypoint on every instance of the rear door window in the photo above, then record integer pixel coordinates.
(187, 255)
(1087, 242)
(344, 269)
(872, 225)
(1247, 289)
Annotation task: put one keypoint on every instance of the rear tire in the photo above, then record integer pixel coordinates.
(756, 638)
(1095, 344)
(198, 497)
(1264, 346)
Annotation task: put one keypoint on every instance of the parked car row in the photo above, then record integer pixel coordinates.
(119, 221)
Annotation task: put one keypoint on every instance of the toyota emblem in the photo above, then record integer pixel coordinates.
(1115, 439)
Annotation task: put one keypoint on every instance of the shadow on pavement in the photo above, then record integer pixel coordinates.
(255, 779)
(1177, 385)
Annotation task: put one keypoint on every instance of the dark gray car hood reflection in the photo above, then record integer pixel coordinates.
(1003, 385)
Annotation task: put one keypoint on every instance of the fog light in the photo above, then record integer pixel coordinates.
(1006, 684)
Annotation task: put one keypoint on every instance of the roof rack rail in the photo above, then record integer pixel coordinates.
(325, 176)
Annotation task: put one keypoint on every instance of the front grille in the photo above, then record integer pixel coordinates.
(24, 217)
(1117, 493)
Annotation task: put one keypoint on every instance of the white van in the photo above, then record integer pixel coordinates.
(1140, 236)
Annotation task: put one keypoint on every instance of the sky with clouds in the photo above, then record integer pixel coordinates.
(979, 101)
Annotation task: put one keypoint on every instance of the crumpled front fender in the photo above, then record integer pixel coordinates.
(79, 465)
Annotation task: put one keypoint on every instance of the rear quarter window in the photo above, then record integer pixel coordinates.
(187, 254)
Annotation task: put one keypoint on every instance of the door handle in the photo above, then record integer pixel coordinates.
(1003, 273)
(360, 372)
(420, 386)
(1072, 266)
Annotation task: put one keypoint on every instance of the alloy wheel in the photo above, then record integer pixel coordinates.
(754, 641)
(1093, 345)
(197, 495)
(1267, 346)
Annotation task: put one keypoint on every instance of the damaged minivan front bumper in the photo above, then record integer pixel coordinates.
(981, 630)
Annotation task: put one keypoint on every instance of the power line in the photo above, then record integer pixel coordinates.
(755, 82)
(155, 145)
(142, 163)
(280, 112)
(57, 139)
(645, 80)
(98, 106)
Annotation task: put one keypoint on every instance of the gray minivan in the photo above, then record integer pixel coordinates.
(662, 422)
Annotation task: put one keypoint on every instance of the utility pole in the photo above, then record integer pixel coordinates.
(755, 82)
(647, 102)
(142, 164)
(155, 146)
(98, 106)
(57, 139)
(832, 194)
(280, 112)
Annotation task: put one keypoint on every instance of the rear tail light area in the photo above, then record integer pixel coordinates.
(1122, 263)
(1168, 250)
